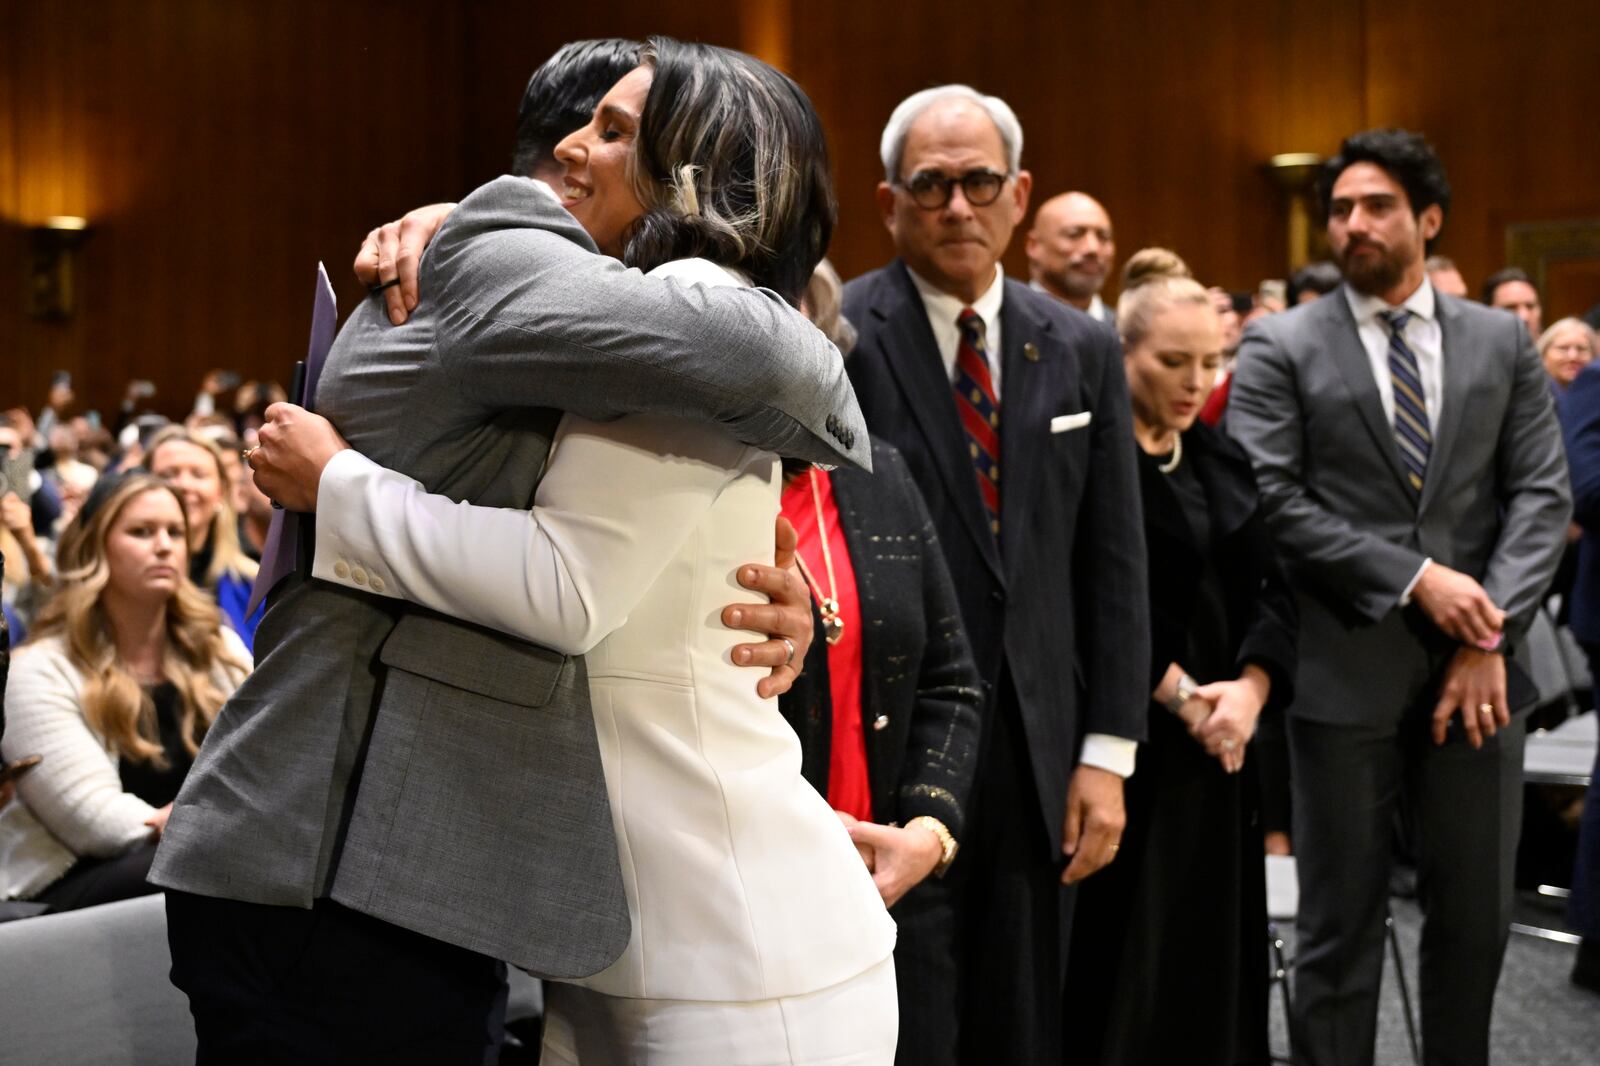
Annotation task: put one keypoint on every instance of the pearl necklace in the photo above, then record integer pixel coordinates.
(1177, 455)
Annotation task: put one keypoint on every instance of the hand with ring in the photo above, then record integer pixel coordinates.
(1473, 692)
(1238, 705)
(784, 623)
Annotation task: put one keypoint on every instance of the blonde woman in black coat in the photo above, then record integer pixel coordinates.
(1167, 960)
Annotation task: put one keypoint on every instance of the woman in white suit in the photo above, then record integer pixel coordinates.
(758, 936)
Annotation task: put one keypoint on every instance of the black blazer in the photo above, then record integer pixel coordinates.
(1064, 607)
(1263, 622)
(920, 692)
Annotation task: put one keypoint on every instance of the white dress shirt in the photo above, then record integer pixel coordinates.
(1425, 338)
(1102, 750)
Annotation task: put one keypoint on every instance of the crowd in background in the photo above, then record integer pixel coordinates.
(130, 544)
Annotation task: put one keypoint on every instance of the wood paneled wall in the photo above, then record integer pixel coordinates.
(220, 148)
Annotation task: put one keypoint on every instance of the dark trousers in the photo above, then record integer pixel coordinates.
(92, 882)
(1583, 907)
(925, 975)
(1466, 807)
(1012, 913)
(282, 985)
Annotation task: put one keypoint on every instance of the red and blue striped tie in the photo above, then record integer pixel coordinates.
(980, 411)
(1411, 430)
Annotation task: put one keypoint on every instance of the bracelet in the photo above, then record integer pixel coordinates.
(1187, 687)
(947, 843)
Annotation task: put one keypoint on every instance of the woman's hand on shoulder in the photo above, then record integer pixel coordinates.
(390, 258)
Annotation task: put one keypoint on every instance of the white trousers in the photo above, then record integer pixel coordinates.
(853, 1023)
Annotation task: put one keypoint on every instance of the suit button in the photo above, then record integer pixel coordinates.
(341, 570)
(359, 576)
(880, 723)
(377, 583)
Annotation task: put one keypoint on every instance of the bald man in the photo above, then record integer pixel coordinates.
(1070, 250)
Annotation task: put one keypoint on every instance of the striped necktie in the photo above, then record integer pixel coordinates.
(1411, 430)
(980, 411)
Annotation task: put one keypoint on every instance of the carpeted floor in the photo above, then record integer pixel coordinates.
(1540, 1018)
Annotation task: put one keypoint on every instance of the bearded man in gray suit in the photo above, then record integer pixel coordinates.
(1411, 466)
(395, 801)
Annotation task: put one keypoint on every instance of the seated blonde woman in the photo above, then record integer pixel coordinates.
(218, 563)
(128, 665)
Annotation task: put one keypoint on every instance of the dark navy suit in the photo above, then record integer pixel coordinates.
(1056, 609)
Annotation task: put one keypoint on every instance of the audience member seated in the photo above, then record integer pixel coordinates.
(1313, 280)
(198, 470)
(1512, 290)
(1565, 349)
(1446, 277)
(28, 569)
(1167, 942)
(128, 665)
(887, 704)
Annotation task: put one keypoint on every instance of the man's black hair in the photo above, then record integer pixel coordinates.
(1503, 277)
(1405, 156)
(1321, 277)
(562, 93)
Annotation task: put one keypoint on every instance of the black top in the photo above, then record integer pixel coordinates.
(155, 785)
(1208, 653)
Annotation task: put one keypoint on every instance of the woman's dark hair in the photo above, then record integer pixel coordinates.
(1405, 156)
(731, 166)
(562, 94)
(1505, 277)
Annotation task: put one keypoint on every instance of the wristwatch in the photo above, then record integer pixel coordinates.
(1187, 687)
(947, 843)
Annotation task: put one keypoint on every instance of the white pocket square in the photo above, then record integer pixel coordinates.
(1062, 423)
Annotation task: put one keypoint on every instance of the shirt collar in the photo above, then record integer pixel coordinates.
(1365, 308)
(944, 307)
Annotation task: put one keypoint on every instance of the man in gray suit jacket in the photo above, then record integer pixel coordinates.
(1411, 465)
(396, 800)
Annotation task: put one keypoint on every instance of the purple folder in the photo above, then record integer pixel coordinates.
(280, 555)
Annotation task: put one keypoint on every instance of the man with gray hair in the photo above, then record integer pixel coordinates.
(1070, 251)
(1034, 494)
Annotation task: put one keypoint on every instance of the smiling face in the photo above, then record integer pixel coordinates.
(1569, 351)
(146, 555)
(193, 471)
(957, 246)
(1377, 240)
(597, 185)
(1173, 368)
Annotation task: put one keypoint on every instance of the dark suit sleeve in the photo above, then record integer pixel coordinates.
(1110, 586)
(1580, 420)
(529, 315)
(1265, 415)
(1536, 501)
(942, 749)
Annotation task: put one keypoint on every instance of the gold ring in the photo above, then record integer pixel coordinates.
(1116, 847)
(1485, 708)
(1228, 744)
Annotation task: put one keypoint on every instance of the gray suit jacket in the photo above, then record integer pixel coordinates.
(1494, 505)
(428, 772)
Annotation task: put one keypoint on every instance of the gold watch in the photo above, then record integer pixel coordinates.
(947, 843)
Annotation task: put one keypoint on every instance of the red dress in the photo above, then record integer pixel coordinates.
(848, 787)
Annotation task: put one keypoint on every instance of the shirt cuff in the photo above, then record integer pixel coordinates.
(341, 557)
(1405, 597)
(1112, 754)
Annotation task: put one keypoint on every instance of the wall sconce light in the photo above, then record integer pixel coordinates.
(1295, 173)
(52, 288)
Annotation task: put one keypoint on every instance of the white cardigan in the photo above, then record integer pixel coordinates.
(72, 804)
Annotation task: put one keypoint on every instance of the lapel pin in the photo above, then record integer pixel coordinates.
(1030, 352)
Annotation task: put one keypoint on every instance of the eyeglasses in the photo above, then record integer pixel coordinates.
(931, 189)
